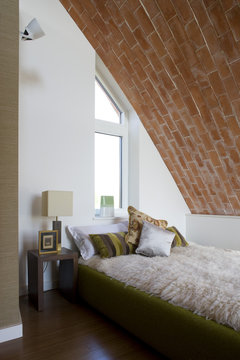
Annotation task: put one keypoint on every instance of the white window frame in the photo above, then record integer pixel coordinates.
(121, 129)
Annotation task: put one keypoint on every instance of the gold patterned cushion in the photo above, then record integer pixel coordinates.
(136, 219)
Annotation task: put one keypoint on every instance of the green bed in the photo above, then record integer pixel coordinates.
(173, 331)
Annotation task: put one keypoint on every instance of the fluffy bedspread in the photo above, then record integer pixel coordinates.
(205, 280)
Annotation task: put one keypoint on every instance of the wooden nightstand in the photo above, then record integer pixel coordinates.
(68, 270)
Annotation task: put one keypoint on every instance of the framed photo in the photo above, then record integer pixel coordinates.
(48, 242)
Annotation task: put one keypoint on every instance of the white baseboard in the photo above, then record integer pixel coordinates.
(10, 333)
(213, 230)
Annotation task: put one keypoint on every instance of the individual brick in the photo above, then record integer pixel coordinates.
(194, 34)
(144, 21)
(229, 46)
(129, 17)
(114, 11)
(167, 9)
(206, 59)
(183, 10)
(225, 105)
(233, 17)
(141, 39)
(218, 18)
(222, 64)
(231, 88)
(216, 83)
(235, 66)
(178, 30)
(157, 44)
(200, 13)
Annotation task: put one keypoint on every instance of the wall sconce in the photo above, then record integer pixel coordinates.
(57, 203)
(32, 31)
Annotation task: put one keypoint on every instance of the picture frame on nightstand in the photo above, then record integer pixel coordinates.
(48, 242)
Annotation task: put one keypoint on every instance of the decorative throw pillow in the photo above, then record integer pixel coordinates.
(80, 235)
(112, 244)
(154, 241)
(178, 240)
(136, 222)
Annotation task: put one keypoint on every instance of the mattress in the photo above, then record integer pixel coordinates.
(204, 280)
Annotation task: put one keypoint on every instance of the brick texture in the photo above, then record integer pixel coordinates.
(178, 62)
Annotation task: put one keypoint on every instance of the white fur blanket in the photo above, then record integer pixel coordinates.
(205, 280)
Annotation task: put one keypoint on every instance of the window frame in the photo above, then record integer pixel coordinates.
(121, 130)
(106, 91)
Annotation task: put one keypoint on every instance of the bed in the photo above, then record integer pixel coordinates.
(174, 331)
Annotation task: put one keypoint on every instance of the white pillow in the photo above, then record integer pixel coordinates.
(154, 241)
(83, 241)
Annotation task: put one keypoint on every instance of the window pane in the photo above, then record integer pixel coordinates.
(107, 168)
(105, 109)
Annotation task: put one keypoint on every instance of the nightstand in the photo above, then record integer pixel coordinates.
(68, 270)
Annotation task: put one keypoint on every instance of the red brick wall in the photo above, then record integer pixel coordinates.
(178, 62)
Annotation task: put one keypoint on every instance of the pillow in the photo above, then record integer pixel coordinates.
(112, 244)
(83, 241)
(179, 240)
(154, 241)
(135, 224)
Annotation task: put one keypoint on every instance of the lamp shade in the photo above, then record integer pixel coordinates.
(57, 203)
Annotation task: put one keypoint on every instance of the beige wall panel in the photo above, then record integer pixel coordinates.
(9, 292)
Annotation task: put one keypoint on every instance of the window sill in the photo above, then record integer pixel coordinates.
(119, 214)
(110, 218)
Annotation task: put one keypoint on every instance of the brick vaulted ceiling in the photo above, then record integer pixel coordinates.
(178, 63)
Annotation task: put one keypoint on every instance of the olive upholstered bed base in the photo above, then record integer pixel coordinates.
(174, 332)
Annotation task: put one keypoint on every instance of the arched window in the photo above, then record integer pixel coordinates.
(110, 149)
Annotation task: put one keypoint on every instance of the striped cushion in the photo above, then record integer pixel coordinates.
(178, 240)
(112, 244)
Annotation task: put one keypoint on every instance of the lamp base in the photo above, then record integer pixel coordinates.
(57, 225)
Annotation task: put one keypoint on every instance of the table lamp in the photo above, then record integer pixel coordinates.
(57, 203)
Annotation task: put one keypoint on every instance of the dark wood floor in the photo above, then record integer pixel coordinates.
(66, 331)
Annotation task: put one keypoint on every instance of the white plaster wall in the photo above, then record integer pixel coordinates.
(158, 194)
(133, 146)
(214, 230)
(56, 122)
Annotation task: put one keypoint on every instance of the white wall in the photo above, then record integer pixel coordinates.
(56, 134)
(214, 230)
(158, 194)
(56, 121)
(133, 146)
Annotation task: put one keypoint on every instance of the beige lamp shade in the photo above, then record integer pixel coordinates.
(57, 203)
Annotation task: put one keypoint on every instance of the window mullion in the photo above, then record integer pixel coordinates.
(110, 128)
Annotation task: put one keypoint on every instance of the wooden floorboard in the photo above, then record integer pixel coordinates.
(66, 331)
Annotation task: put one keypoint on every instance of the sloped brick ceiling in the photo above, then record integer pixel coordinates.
(178, 62)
